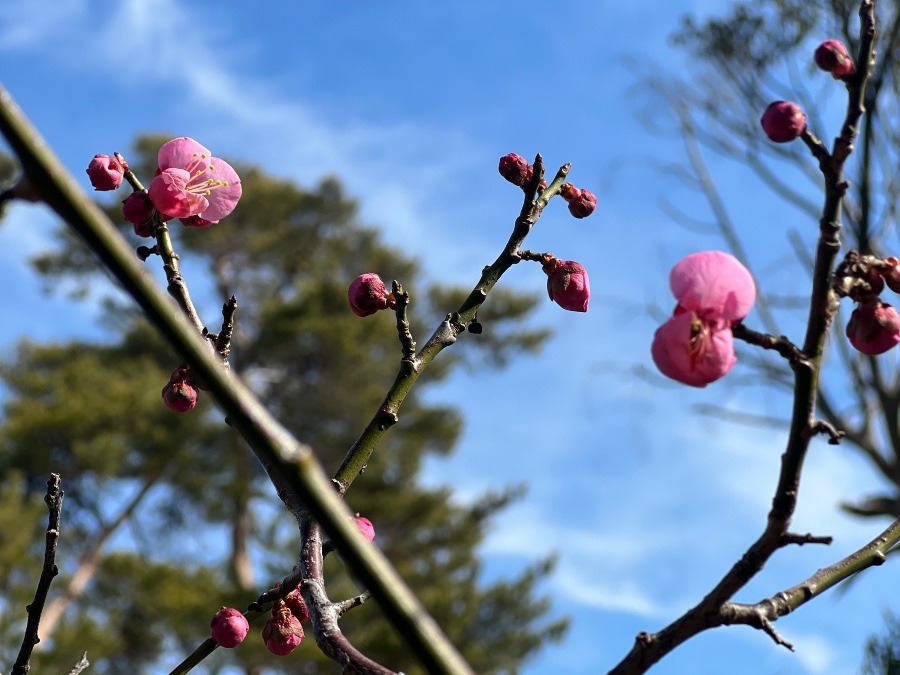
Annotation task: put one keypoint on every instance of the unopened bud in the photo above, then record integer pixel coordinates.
(567, 284)
(283, 632)
(180, 394)
(229, 627)
(138, 210)
(874, 327)
(516, 169)
(368, 294)
(583, 205)
(366, 528)
(832, 57)
(891, 275)
(783, 121)
(105, 172)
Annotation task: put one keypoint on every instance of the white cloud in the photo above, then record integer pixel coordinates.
(391, 166)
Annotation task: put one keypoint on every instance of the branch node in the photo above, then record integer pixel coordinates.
(789, 538)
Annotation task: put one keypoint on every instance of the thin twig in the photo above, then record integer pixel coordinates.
(451, 327)
(53, 499)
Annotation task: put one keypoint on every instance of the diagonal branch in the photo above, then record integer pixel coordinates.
(292, 467)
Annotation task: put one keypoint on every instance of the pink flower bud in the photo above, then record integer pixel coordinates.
(180, 394)
(368, 294)
(516, 169)
(874, 327)
(832, 57)
(568, 284)
(583, 205)
(569, 192)
(692, 351)
(229, 627)
(891, 275)
(294, 603)
(283, 632)
(105, 172)
(366, 528)
(783, 121)
(138, 210)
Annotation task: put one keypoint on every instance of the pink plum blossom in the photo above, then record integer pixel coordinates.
(191, 182)
(874, 327)
(695, 346)
(714, 285)
(692, 351)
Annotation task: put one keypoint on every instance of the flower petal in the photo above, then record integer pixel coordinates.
(714, 284)
(224, 191)
(169, 194)
(179, 153)
(691, 356)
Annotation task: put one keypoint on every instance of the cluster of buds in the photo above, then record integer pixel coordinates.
(874, 326)
(518, 171)
(283, 631)
(581, 202)
(713, 291)
(567, 283)
(190, 184)
(784, 121)
(182, 392)
(368, 294)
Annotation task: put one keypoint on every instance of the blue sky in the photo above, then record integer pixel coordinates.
(411, 104)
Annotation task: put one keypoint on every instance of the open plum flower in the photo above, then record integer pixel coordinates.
(695, 346)
(192, 184)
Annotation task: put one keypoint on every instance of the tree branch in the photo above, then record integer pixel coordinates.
(53, 499)
(292, 467)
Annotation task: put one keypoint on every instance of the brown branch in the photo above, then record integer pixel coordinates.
(872, 554)
(53, 499)
(714, 609)
(450, 328)
(780, 344)
(325, 614)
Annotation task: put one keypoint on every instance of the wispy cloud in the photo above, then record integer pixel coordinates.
(389, 165)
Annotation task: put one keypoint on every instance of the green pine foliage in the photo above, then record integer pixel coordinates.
(170, 516)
